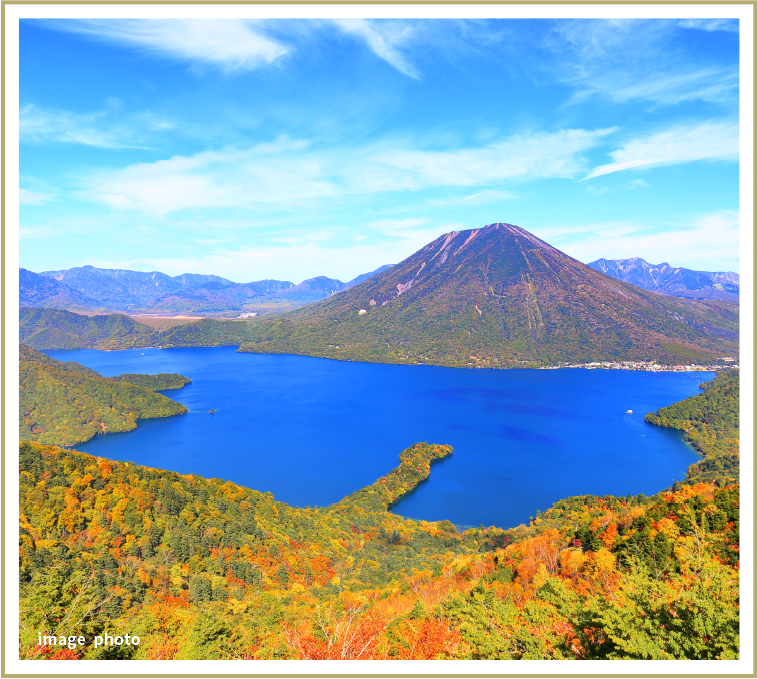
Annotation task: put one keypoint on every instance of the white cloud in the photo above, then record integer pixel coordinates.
(709, 242)
(245, 44)
(530, 156)
(213, 179)
(711, 141)
(292, 173)
(384, 38)
(295, 262)
(27, 197)
(676, 87)
(395, 226)
(231, 44)
(729, 25)
(36, 232)
(97, 128)
(479, 198)
(636, 184)
(631, 60)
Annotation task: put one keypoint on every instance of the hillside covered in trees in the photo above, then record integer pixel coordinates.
(711, 422)
(58, 329)
(202, 568)
(67, 403)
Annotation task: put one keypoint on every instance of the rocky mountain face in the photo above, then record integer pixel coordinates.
(675, 281)
(499, 296)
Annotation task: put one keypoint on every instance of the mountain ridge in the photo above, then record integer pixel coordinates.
(669, 280)
(88, 288)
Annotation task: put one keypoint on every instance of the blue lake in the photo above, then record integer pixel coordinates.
(314, 430)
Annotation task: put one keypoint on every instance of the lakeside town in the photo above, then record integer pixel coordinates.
(650, 366)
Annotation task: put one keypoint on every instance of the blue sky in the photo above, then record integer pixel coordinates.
(293, 148)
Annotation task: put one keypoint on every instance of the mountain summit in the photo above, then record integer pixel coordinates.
(672, 280)
(499, 296)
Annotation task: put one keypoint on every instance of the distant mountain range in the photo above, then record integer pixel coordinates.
(491, 297)
(676, 281)
(88, 288)
(496, 296)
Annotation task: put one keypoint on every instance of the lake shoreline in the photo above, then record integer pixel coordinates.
(312, 431)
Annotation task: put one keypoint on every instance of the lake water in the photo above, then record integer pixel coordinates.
(314, 430)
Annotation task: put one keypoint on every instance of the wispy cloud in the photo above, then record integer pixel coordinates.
(479, 198)
(295, 172)
(243, 44)
(97, 128)
(632, 60)
(679, 244)
(36, 232)
(279, 172)
(729, 25)
(386, 39)
(230, 44)
(636, 184)
(526, 156)
(27, 197)
(709, 141)
(293, 261)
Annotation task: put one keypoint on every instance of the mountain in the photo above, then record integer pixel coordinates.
(497, 296)
(38, 290)
(310, 290)
(88, 288)
(122, 289)
(364, 276)
(675, 281)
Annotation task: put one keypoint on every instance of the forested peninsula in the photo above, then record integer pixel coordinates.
(67, 403)
(711, 422)
(159, 382)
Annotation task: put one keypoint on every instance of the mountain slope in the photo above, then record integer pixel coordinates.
(58, 329)
(497, 296)
(310, 290)
(122, 289)
(364, 276)
(711, 422)
(66, 403)
(37, 290)
(676, 281)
